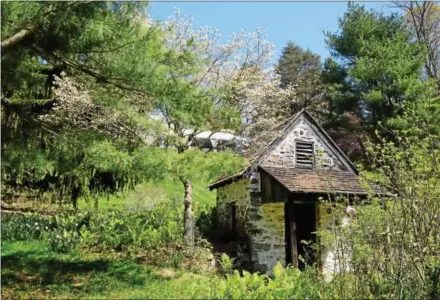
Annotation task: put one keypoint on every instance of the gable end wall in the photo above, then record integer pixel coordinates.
(283, 155)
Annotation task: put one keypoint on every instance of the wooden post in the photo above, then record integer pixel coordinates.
(291, 241)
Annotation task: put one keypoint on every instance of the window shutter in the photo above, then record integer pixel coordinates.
(304, 154)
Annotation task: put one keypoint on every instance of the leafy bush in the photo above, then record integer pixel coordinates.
(63, 234)
(390, 248)
(285, 283)
(61, 240)
(207, 221)
(433, 286)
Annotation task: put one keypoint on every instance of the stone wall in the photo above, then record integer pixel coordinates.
(263, 223)
(235, 193)
(268, 240)
(284, 154)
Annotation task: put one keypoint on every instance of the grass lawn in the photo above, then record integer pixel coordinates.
(152, 192)
(31, 270)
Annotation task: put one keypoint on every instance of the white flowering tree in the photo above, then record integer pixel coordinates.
(264, 106)
(236, 75)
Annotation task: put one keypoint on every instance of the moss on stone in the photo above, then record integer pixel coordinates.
(273, 217)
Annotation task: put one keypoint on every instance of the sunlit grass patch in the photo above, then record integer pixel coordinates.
(151, 193)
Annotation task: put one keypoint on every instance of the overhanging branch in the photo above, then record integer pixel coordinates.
(12, 41)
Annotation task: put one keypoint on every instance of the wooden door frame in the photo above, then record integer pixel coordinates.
(290, 234)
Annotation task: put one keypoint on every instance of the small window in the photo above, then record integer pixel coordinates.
(304, 154)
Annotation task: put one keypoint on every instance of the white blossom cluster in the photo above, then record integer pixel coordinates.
(265, 107)
(224, 63)
(241, 65)
(239, 68)
(74, 107)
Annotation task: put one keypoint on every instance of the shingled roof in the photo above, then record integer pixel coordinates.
(316, 181)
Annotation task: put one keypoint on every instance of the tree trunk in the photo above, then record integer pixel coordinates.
(188, 217)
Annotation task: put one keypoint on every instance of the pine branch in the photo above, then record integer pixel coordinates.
(22, 35)
(16, 39)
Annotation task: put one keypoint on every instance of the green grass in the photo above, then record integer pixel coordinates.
(31, 270)
(153, 192)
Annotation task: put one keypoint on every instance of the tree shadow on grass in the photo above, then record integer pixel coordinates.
(25, 267)
(26, 270)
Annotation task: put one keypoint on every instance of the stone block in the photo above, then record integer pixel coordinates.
(261, 247)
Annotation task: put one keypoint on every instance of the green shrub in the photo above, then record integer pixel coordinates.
(207, 220)
(61, 240)
(176, 259)
(284, 283)
(433, 278)
(63, 234)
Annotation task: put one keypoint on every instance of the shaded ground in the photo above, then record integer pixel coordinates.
(30, 270)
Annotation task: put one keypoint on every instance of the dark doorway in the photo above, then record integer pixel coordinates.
(233, 220)
(300, 226)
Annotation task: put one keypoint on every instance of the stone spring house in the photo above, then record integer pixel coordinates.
(273, 205)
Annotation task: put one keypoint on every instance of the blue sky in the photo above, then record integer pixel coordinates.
(300, 22)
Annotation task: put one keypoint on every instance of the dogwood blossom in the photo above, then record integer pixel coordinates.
(74, 107)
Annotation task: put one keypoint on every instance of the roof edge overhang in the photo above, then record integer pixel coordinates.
(227, 180)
